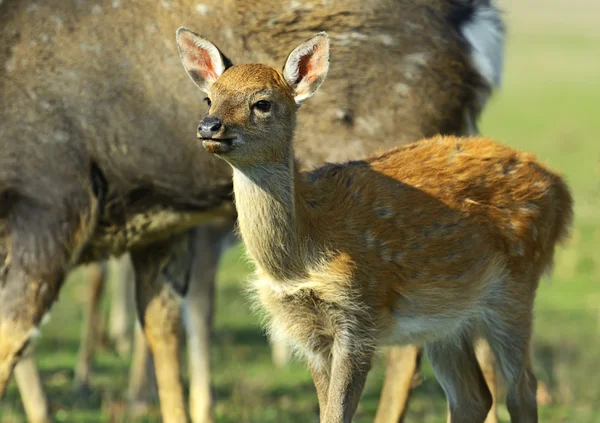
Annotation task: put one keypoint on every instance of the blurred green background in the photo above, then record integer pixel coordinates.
(548, 105)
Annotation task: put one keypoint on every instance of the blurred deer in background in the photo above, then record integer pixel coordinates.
(439, 243)
(88, 77)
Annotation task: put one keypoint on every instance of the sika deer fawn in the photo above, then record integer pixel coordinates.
(435, 243)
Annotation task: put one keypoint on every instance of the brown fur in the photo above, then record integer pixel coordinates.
(84, 86)
(434, 243)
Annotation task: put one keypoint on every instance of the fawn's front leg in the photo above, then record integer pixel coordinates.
(349, 368)
(320, 374)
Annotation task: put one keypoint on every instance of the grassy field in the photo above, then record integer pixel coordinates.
(548, 105)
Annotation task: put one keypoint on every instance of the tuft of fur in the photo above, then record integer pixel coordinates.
(484, 31)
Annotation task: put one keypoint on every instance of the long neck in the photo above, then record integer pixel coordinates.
(270, 218)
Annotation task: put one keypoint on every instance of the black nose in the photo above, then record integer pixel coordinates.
(209, 126)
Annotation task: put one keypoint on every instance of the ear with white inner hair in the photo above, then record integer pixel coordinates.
(202, 60)
(307, 65)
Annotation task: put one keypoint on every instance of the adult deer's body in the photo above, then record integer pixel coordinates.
(84, 90)
(434, 243)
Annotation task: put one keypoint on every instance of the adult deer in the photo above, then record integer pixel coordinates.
(89, 78)
(436, 243)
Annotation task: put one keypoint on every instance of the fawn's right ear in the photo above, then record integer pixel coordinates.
(202, 60)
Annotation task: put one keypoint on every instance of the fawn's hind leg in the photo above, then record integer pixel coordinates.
(509, 336)
(457, 370)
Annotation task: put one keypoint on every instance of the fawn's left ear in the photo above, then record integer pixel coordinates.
(202, 60)
(307, 65)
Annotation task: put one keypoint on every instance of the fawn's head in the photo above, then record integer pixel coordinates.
(252, 108)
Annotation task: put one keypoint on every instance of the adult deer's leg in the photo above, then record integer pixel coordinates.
(162, 273)
(41, 244)
(402, 364)
(31, 389)
(487, 363)
(456, 369)
(121, 302)
(198, 309)
(96, 277)
(142, 380)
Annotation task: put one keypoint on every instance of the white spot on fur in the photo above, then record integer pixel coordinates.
(57, 21)
(386, 255)
(166, 4)
(32, 7)
(485, 33)
(61, 136)
(412, 64)
(369, 125)
(370, 239)
(94, 48)
(228, 32)
(202, 9)
(347, 37)
(11, 63)
(418, 59)
(401, 89)
(295, 5)
(387, 40)
(96, 10)
(116, 4)
(340, 114)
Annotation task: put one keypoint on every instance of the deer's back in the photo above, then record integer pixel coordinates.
(435, 210)
(105, 76)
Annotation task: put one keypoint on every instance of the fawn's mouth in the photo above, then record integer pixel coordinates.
(217, 145)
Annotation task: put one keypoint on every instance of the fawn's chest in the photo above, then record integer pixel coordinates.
(300, 314)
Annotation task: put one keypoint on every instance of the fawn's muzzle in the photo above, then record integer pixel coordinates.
(209, 126)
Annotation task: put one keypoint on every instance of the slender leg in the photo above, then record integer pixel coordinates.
(509, 336)
(320, 374)
(31, 390)
(349, 369)
(162, 273)
(455, 366)
(142, 381)
(198, 309)
(96, 277)
(487, 363)
(31, 275)
(121, 302)
(402, 364)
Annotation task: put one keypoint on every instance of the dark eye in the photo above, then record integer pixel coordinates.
(208, 101)
(262, 105)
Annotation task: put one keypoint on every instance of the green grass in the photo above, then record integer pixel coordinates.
(548, 105)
